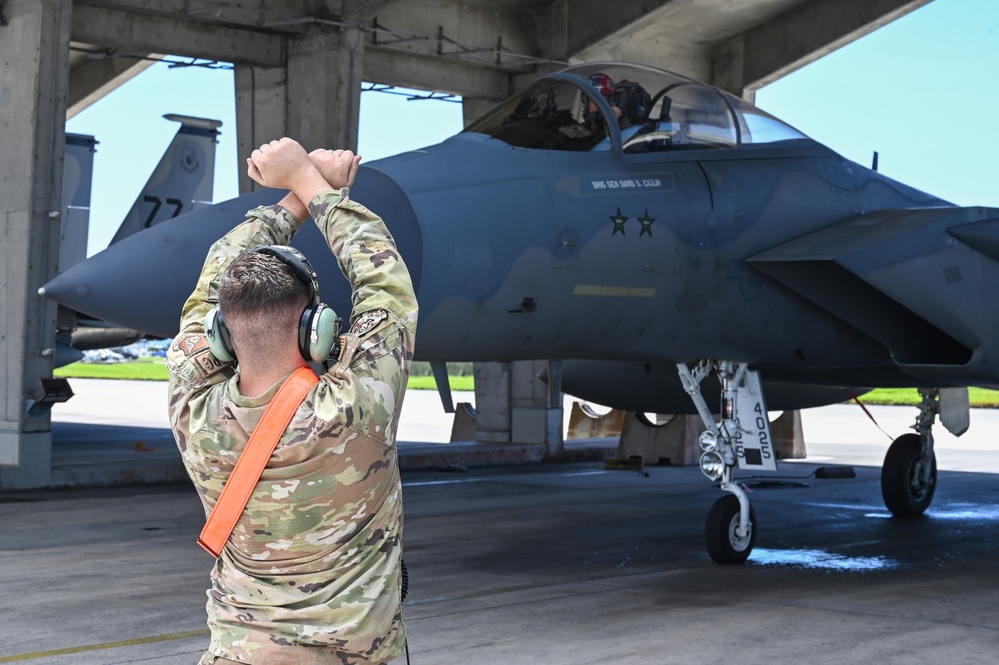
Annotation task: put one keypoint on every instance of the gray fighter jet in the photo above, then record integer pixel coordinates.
(678, 249)
(181, 182)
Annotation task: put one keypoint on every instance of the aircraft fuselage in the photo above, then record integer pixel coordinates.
(563, 259)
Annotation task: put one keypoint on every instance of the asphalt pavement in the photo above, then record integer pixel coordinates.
(555, 563)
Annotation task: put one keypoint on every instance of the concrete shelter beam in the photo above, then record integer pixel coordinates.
(131, 32)
(253, 14)
(460, 31)
(805, 33)
(357, 10)
(565, 29)
(93, 79)
(382, 65)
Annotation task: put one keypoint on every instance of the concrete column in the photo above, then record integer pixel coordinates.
(315, 98)
(472, 109)
(324, 88)
(728, 69)
(515, 406)
(34, 81)
(261, 113)
(492, 402)
(536, 405)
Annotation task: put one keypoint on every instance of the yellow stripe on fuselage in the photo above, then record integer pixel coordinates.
(614, 291)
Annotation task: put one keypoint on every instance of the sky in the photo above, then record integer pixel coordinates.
(922, 91)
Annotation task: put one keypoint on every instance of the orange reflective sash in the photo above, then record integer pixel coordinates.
(236, 493)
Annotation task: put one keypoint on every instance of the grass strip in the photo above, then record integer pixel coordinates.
(979, 397)
(153, 369)
(142, 369)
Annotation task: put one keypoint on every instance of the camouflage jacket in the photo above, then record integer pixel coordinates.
(311, 573)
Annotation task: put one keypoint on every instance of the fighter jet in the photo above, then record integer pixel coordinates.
(676, 248)
(180, 183)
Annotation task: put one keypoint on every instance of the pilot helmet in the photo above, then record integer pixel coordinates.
(603, 83)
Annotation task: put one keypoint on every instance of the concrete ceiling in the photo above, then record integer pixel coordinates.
(476, 48)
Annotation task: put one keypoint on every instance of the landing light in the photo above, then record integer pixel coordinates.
(712, 465)
(708, 441)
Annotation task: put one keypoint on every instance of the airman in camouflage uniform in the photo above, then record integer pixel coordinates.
(311, 573)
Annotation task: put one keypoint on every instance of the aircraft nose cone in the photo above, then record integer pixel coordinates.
(61, 288)
(143, 281)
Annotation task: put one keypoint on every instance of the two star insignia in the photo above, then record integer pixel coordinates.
(644, 220)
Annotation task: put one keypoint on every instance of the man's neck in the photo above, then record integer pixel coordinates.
(255, 381)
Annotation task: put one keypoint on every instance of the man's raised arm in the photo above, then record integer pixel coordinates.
(284, 164)
(358, 238)
(363, 247)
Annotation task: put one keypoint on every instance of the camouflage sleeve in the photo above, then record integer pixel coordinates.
(190, 362)
(367, 255)
(373, 366)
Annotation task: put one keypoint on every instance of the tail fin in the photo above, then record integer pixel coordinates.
(181, 182)
(77, 179)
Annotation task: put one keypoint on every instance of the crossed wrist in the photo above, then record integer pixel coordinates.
(309, 185)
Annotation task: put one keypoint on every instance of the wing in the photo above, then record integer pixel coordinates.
(919, 281)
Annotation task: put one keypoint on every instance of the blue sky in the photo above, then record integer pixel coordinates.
(923, 91)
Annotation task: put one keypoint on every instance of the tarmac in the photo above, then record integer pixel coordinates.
(538, 563)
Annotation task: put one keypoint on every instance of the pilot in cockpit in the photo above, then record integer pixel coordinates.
(604, 85)
(625, 94)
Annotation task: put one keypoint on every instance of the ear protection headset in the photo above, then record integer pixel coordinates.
(318, 327)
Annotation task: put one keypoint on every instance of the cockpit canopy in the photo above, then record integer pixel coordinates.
(653, 111)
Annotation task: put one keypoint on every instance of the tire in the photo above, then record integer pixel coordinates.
(719, 532)
(904, 494)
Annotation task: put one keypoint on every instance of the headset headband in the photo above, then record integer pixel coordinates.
(297, 263)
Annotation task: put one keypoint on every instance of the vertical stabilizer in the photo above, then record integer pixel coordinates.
(77, 178)
(183, 179)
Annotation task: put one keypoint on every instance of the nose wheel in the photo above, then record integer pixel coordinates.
(908, 476)
(722, 536)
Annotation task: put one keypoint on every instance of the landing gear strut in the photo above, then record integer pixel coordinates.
(742, 437)
(909, 472)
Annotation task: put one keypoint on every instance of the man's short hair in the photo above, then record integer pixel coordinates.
(256, 284)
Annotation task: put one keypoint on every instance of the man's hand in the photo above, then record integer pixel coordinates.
(338, 167)
(284, 164)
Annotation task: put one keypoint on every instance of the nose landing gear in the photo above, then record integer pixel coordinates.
(742, 437)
